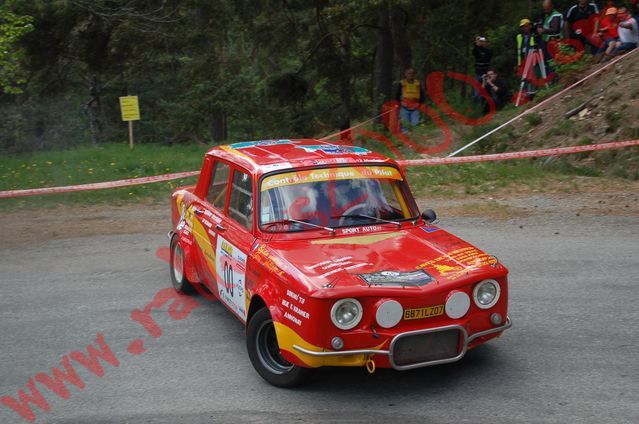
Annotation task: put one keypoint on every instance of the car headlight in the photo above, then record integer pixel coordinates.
(346, 313)
(486, 294)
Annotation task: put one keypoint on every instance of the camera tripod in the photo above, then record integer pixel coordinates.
(533, 57)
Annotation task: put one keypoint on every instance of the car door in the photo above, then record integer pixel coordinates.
(235, 239)
(207, 213)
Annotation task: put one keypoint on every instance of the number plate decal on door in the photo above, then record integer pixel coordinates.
(231, 273)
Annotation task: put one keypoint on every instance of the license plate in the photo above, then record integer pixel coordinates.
(427, 312)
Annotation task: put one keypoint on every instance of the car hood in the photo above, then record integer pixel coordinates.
(413, 256)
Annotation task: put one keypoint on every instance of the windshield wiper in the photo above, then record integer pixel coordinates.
(289, 220)
(357, 215)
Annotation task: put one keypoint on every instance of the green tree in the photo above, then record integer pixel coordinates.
(12, 29)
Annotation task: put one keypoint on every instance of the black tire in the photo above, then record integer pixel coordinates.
(265, 355)
(178, 277)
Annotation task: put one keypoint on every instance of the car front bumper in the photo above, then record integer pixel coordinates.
(392, 352)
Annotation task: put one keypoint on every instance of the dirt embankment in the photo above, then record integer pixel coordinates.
(610, 103)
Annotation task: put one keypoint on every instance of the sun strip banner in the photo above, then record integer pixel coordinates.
(329, 174)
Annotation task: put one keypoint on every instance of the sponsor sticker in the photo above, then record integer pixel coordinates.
(397, 278)
(258, 143)
(429, 229)
(331, 149)
(231, 275)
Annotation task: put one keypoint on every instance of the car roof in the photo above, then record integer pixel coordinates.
(264, 156)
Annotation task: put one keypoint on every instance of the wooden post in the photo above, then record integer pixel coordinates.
(130, 134)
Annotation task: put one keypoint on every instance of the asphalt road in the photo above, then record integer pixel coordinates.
(571, 355)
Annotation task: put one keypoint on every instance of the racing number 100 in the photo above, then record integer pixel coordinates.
(228, 278)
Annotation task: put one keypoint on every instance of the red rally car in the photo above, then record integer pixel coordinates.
(321, 251)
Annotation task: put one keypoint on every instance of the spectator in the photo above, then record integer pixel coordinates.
(628, 32)
(497, 88)
(607, 33)
(580, 20)
(483, 55)
(525, 40)
(411, 95)
(550, 28)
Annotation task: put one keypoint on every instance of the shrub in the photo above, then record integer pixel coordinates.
(533, 119)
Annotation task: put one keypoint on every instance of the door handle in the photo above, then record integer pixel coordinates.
(220, 228)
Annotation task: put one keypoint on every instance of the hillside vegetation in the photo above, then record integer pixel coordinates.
(609, 104)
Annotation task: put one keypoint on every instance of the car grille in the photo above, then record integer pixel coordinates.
(426, 347)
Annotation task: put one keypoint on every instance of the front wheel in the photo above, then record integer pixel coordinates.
(178, 276)
(265, 355)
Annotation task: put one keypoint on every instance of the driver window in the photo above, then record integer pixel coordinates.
(219, 185)
(241, 204)
(392, 209)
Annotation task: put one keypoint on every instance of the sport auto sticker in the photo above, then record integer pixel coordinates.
(231, 276)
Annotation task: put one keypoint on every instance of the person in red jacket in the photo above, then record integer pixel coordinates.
(607, 31)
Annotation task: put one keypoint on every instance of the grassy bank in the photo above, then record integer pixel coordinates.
(95, 164)
(115, 161)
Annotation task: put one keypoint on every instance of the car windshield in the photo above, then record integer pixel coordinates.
(332, 198)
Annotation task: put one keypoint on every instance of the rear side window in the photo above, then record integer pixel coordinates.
(219, 185)
(241, 204)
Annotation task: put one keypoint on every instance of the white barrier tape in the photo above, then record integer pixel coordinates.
(556, 151)
(96, 186)
(358, 125)
(414, 162)
(527, 111)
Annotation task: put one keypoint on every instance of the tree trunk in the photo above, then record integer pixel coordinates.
(383, 62)
(218, 126)
(403, 51)
(345, 88)
(93, 109)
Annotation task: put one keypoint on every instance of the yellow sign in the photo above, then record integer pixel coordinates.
(130, 108)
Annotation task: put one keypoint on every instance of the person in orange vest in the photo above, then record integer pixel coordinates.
(410, 94)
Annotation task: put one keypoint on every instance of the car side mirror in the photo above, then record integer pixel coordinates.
(429, 215)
